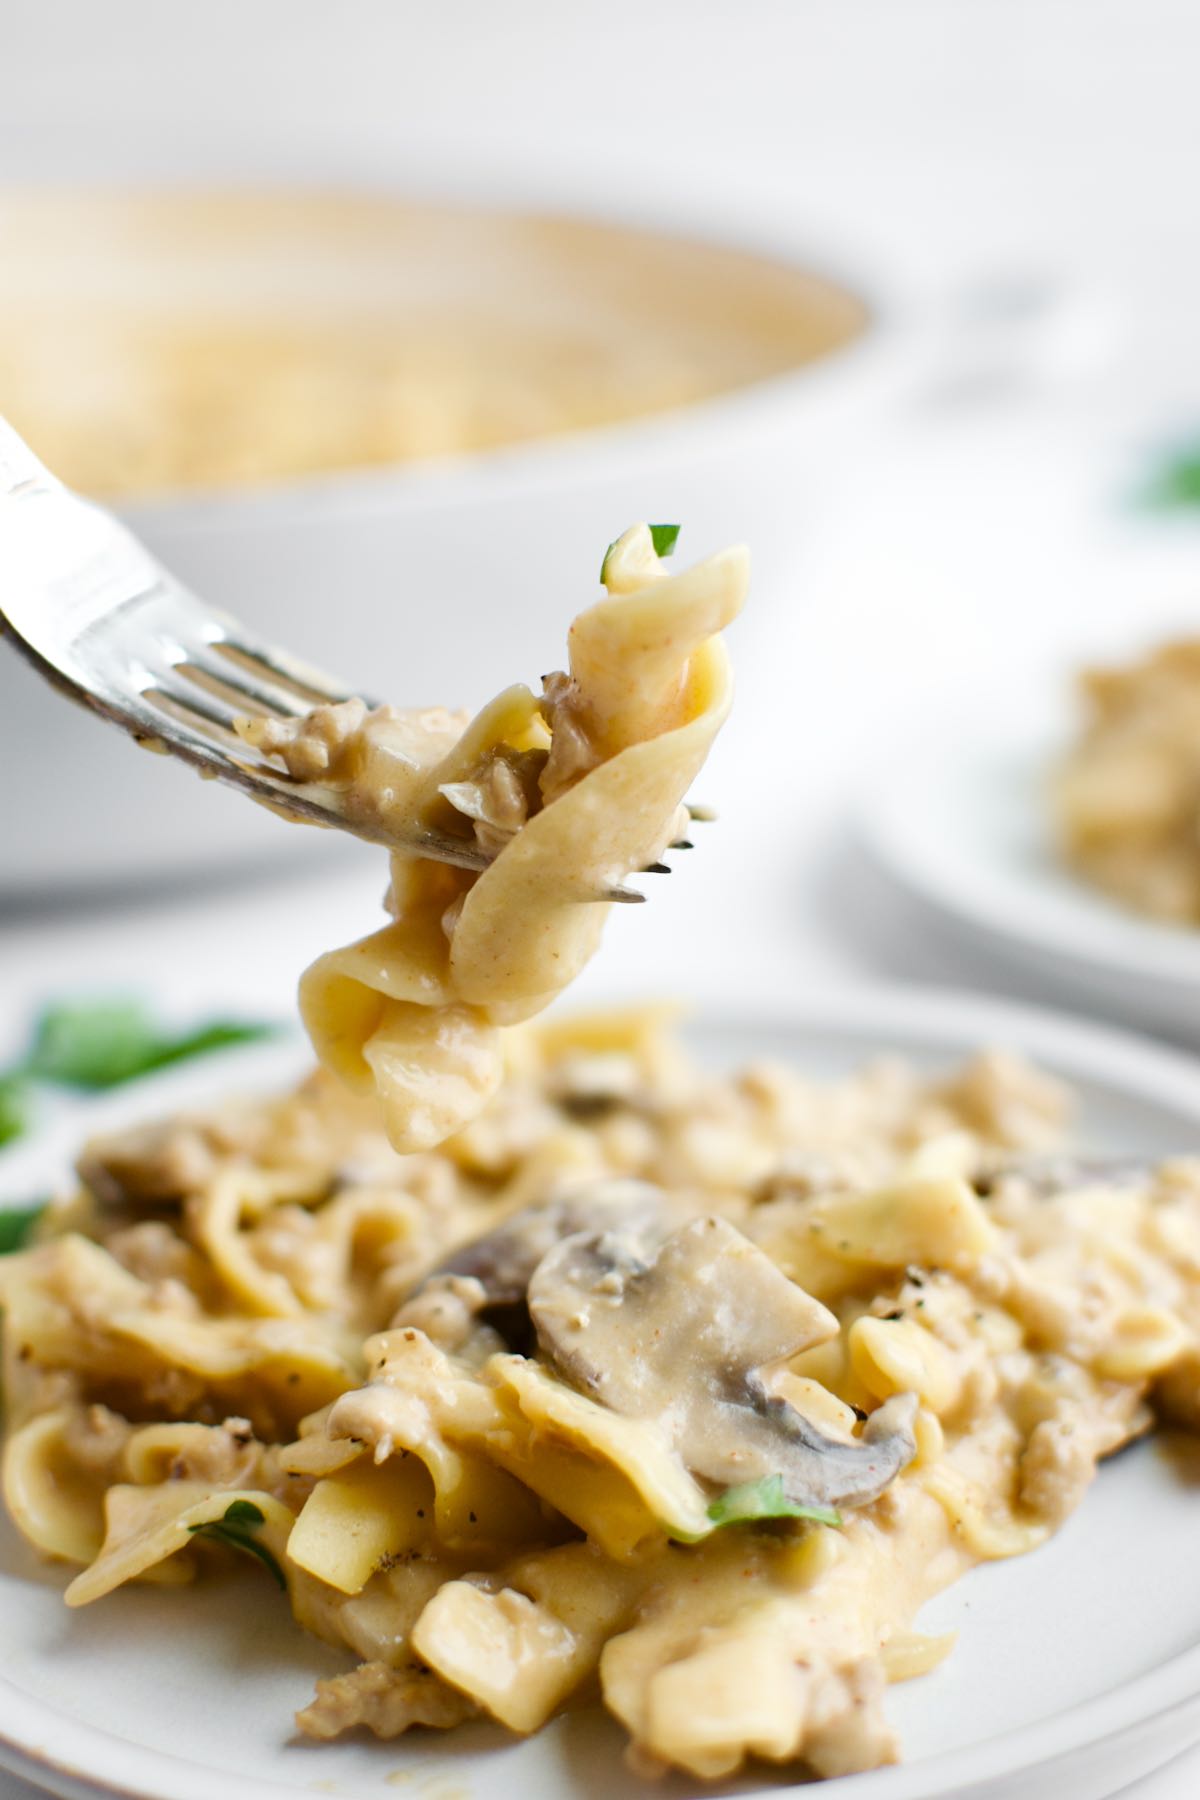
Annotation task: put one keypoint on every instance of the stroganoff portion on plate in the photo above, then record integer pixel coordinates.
(692, 1386)
(529, 1360)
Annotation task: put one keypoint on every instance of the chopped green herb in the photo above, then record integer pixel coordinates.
(765, 1499)
(1176, 482)
(244, 1512)
(235, 1529)
(663, 537)
(91, 1045)
(100, 1043)
(14, 1112)
(219, 1035)
(16, 1223)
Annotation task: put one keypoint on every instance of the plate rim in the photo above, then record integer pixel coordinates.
(899, 1017)
(1141, 949)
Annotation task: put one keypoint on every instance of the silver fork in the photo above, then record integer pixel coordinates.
(99, 618)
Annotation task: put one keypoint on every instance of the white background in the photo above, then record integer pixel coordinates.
(987, 155)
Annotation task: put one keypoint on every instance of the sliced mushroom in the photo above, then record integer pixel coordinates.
(148, 1166)
(503, 1260)
(679, 1333)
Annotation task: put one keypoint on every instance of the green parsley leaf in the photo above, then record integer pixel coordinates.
(101, 1043)
(765, 1499)
(93, 1044)
(1176, 481)
(235, 1529)
(16, 1223)
(244, 1511)
(218, 1035)
(663, 537)
(14, 1112)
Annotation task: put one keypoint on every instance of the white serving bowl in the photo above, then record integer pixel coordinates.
(436, 582)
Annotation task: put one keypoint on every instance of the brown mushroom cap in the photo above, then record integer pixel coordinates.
(503, 1260)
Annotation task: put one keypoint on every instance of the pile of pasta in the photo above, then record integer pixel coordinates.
(260, 1329)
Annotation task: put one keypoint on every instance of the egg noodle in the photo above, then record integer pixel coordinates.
(607, 1373)
(567, 792)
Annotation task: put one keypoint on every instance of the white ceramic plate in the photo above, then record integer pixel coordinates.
(961, 819)
(1078, 1668)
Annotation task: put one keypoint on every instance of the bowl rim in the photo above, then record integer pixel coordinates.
(803, 397)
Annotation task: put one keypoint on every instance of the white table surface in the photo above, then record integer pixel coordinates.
(1041, 140)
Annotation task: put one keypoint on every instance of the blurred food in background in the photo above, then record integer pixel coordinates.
(161, 341)
(1128, 795)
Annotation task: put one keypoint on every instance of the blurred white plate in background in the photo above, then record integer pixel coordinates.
(1077, 1668)
(960, 818)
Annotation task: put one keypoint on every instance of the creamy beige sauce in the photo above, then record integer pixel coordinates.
(499, 1404)
(151, 342)
(1127, 797)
